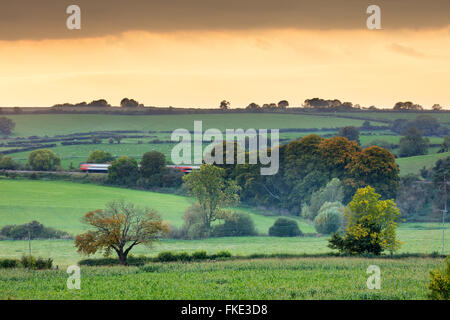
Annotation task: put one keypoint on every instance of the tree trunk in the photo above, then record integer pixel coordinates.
(122, 258)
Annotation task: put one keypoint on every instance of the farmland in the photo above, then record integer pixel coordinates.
(319, 278)
(61, 205)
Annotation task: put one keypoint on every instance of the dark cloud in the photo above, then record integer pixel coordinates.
(41, 19)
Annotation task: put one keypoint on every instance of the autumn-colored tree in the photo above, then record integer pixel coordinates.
(371, 225)
(120, 227)
(376, 167)
(338, 152)
(213, 192)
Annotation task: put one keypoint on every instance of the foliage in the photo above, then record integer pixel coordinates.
(7, 163)
(414, 197)
(98, 156)
(120, 227)
(332, 192)
(212, 191)
(34, 230)
(123, 171)
(9, 263)
(153, 163)
(439, 286)
(33, 263)
(43, 160)
(371, 225)
(235, 225)
(351, 133)
(284, 227)
(413, 144)
(329, 219)
(6, 126)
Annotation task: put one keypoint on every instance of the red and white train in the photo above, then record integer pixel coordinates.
(103, 167)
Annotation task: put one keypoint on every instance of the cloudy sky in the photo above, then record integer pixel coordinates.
(195, 53)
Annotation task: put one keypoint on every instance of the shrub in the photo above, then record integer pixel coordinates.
(43, 160)
(123, 171)
(236, 225)
(33, 263)
(330, 218)
(284, 227)
(98, 156)
(35, 229)
(7, 163)
(439, 287)
(200, 255)
(9, 263)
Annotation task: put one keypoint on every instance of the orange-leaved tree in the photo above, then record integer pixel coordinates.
(120, 227)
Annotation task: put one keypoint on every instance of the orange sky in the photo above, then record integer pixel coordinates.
(201, 67)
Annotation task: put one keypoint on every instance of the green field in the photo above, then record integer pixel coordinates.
(414, 164)
(41, 125)
(319, 278)
(61, 205)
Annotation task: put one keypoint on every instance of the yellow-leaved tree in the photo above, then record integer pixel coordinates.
(371, 225)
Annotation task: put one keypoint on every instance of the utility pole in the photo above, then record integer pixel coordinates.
(444, 212)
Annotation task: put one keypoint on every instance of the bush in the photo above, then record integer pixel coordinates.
(439, 287)
(98, 156)
(237, 225)
(284, 227)
(330, 218)
(9, 263)
(35, 229)
(123, 171)
(200, 255)
(33, 263)
(7, 163)
(43, 160)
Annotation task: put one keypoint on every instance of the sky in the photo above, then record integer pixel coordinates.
(195, 53)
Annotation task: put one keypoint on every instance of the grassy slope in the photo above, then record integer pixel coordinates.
(61, 204)
(414, 164)
(321, 278)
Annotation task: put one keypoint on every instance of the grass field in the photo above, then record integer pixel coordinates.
(61, 204)
(414, 164)
(300, 278)
(40, 125)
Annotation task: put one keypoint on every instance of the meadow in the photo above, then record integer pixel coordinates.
(61, 204)
(299, 278)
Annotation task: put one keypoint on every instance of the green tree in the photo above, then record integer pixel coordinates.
(332, 192)
(445, 145)
(98, 156)
(6, 126)
(284, 227)
(212, 191)
(123, 171)
(413, 143)
(371, 225)
(329, 218)
(351, 133)
(43, 160)
(439, 286)
(7, 163)
(153, 163)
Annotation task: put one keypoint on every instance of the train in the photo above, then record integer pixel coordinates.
(103, 167)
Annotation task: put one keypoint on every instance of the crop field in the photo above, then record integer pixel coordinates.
(299, 278)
